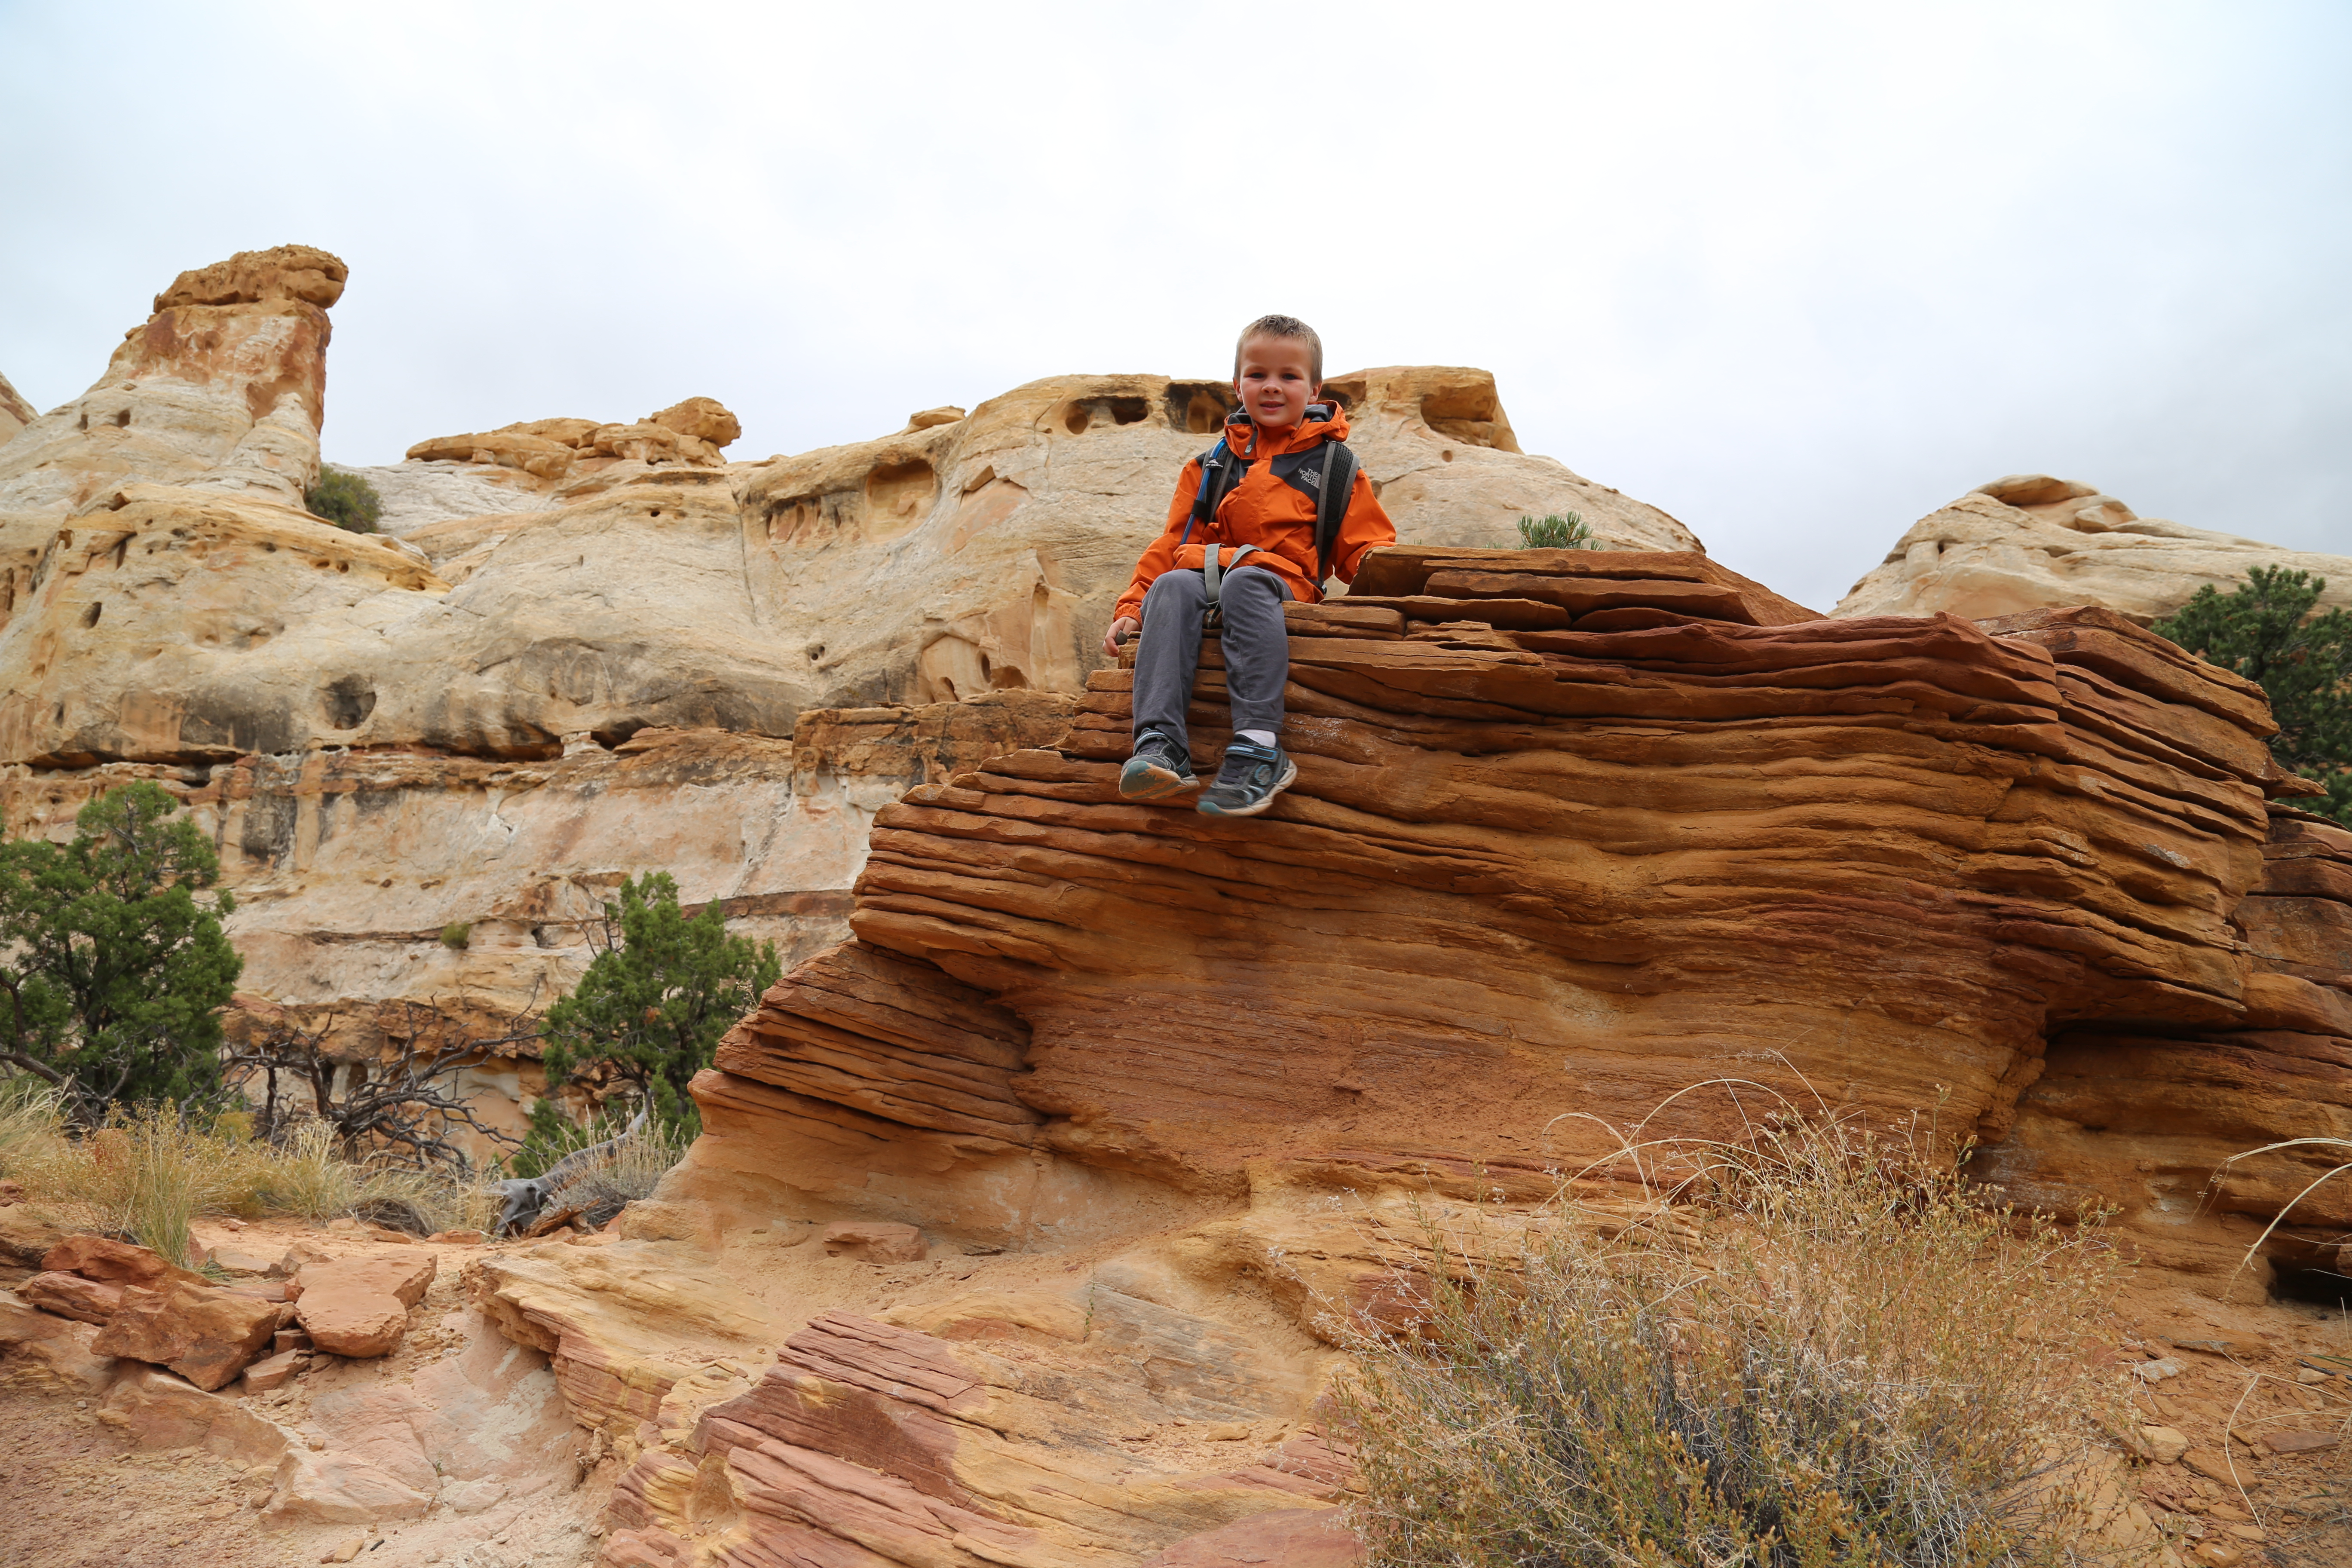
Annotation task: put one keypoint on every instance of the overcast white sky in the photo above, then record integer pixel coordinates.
(1796, 273)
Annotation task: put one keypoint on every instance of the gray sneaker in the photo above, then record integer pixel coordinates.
(1158, 769)
(1249, 780)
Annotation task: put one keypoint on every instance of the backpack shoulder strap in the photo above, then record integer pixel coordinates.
(1219, 468)
(1331, 505)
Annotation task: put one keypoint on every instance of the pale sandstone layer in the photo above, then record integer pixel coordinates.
(222, 389)
(2030, 541)
(349, 866)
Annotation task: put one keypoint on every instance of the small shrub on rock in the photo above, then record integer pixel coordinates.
(457, 935)
(2266, 630)
(344, 498)
(1557, 532)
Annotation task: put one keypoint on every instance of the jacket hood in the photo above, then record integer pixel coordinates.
(1326, 420)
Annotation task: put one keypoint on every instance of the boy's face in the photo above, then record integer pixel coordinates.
(1272, 385)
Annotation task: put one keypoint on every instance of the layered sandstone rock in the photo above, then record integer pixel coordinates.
(1572, 835)
(222, 390)
(1525, 872)
(2030, 542)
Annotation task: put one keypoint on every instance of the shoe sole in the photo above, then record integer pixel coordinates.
(1140, 779)
(1289, 776)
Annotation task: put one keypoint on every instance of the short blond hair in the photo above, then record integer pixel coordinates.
(1283, 327)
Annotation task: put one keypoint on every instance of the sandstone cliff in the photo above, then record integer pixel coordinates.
(2030, 541)
(1160, 1095)
(583, 649)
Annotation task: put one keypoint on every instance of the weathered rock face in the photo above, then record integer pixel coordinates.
(1572, 835)
(1524, 873)
(15, 412)
(222, 390)
(2030, 541)
(349, 867)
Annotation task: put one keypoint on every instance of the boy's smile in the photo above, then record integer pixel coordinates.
(1274, 384)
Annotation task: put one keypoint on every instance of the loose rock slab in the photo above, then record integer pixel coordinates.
(206, 1335)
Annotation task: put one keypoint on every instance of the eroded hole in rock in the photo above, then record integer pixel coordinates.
(898, 495)
(1199, 408)
(1471, 414)
(2325, 1287)
(817, 653)
(123, 419)
(348, 701)
(89, 616)
(950, 669)
(1087, 413)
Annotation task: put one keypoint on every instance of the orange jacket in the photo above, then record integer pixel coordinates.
(1268, 512)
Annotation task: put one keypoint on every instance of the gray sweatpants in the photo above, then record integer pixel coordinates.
(1258, 649)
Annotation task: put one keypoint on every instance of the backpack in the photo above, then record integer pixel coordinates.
(1329, 478)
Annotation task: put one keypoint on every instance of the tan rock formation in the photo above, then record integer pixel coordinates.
(1602, 821)
(15, 412)
(222, 390)
(154, 1409)
(2030, 542)
(554, 451)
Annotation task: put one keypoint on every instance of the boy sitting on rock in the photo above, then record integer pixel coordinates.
(1249, 529)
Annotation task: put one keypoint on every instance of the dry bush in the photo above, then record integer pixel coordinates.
(304, 1174)
(149, 1174)
(1824, 1352)
(610, 1179)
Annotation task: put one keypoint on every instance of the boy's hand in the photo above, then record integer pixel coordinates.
(1120, 630)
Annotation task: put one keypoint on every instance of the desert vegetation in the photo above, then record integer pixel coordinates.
(125, 1107)
(147, 1174)
(647, 1014)
(113, 966)
(344, 498)
(1819, 1349)
(2266, 630)
(1559, 531)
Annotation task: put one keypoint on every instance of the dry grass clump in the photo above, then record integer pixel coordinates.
(609, 1180)
(303, 1175)
(150, 1174)
(1825, 1352)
